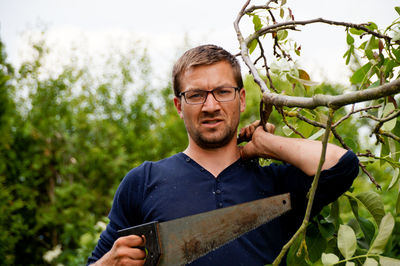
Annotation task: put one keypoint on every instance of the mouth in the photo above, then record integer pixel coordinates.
(211, 122)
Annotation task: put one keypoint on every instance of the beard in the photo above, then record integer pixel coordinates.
(213, 142)
(214, 138)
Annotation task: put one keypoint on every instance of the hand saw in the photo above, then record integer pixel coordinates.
(183, 240)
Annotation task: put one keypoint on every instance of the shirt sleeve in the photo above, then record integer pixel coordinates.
(336, 180)
(124, 213)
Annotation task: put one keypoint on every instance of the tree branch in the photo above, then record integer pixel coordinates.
(333, 101)
(311, 193)
(290, 24)
(353, 112)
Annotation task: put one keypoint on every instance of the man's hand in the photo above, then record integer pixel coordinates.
(253, 134)
(125, 251)
(302, 153)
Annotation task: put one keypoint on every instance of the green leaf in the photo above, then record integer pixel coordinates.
(291, 78)
(281, 12)
(385, 261)
(252, 45)
(372, 43)
(351, 143)
(316, 243)
(327, 230)
(389, 125)
(385, 230)
(397, 8)
(368, 229)
(398, 204)
(334, 214)
(356, 31)
(282, 34)
(396, 53)
(349, 39)
(347, 242)
(292, 258)
(385, 151)
(396, 36)
(350, 263)
(353, 223)
(395, 178)
(287, 131)
(349, 53)
(318, 134)
(360, 75)
(257, 22)
(373, 203)
(329, 259)
(372, 26)
(388, 66)
(370, 262)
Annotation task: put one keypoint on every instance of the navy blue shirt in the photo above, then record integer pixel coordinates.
(177, 186)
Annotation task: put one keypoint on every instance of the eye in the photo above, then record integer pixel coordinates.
(194, 94)
(224, 91)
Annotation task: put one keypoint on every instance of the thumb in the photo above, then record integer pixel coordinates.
(247, 151)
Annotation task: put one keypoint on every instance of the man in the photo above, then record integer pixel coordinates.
(214, 172)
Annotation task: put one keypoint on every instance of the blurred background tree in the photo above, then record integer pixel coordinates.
(67, 144)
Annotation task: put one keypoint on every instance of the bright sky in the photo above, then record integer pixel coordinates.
(163, 25)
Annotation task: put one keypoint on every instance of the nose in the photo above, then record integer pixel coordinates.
(211, 104)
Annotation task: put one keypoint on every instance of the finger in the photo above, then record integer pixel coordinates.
(246, 151)
(134, 254)
(270, 128)
(130, 241)
(137, 254)
(251, 128)
(144, 240)
(244, 135)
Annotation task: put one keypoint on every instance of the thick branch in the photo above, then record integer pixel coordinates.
(244, 51)
(333, 101)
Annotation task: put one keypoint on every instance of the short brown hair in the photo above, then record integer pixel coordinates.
(204, 55)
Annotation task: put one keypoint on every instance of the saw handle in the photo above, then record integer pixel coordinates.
(152, 245)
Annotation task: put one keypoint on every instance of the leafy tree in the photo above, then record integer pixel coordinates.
(66, 146)
(333, 237)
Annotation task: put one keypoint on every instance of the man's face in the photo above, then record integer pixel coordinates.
(212, 124)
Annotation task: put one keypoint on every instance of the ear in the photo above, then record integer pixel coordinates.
(242, 100)
(178, 106)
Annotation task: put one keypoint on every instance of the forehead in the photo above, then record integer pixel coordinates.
(208, 76)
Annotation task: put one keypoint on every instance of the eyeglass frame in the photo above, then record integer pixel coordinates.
(208, 92)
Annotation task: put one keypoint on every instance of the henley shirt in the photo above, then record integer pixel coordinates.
(177, 186)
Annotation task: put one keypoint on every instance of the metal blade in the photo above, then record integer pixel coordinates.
(185, 239)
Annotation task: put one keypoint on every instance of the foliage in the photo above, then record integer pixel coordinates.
(359, 228)
(66, 146)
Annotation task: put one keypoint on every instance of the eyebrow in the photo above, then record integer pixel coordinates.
(217, 87)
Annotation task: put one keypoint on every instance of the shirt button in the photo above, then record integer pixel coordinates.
(220, 204)
(218, 191)
(187, 159)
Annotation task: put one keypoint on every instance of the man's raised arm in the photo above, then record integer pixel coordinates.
(302, 153)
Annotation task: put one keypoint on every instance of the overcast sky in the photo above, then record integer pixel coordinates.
(163, 25)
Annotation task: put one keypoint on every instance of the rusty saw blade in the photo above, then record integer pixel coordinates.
(183, 240)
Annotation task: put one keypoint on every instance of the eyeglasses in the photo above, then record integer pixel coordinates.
(221, 94)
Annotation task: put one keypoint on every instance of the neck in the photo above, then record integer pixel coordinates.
(214, 160)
